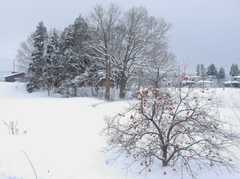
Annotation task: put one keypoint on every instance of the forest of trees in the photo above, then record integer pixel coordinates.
(105, 48)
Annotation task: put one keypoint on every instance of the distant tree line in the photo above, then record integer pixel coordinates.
(107, 46)
(212, 71)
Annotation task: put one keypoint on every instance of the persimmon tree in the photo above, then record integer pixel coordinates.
(175, 127)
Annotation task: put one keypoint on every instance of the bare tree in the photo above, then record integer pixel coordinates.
(139, 36)
(178, 128)
(103, 32)
(159, 64)
(23, 57)
(11, 125)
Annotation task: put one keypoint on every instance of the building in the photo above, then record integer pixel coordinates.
(188, 83)
(236, 78)
(207, 84)
(16, 76)
(234, 83)
(194, 78)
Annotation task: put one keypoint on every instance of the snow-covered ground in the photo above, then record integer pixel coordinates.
(62, 139)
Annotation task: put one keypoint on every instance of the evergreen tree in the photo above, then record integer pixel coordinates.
(53, 71)
(198, 70)
(38, 62)
(71, 70)
(80, 36)
(212, 70)
(221, 73)
(202, 70)
(234, 71)
(68, 39)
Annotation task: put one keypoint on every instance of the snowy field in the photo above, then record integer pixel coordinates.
(62, 139)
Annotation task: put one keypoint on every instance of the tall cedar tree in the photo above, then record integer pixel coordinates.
(198, 69)
(234, 71)
(38, 62)
(53, 71)
(221, 73)
(212, 70)
(202, 70)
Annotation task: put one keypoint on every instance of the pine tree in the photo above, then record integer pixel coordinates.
(212, 70)
(38, 62)
(71, 68)
(202, 70)
(53, 71)
(221, 73)
(198, 70)
(234, 71)
(68, 40)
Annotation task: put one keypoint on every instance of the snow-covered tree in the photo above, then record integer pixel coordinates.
(125, 42)
(212, 70)
(221, 73)
(234, 71)
(71, 69)
(80, 36)
(102, 34)
(141, 40)
(202, 70)
(68, 39)
(198, 69)
(38, 62)
(53, 71)
(237, 72)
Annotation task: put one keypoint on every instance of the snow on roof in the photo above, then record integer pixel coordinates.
(194, 77)
(205, 82)
(233, 82)
(13, 74)
(236, 77)
(188, 82)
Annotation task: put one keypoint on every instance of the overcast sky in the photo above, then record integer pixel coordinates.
(205, 31)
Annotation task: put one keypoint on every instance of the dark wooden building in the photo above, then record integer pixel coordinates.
(15, 77)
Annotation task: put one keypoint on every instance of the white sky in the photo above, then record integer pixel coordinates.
(206, 31)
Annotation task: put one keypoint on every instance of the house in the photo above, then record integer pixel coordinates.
(194, 78)
(234, 83)
(188, 83)
(16, 76)
(236, 78)
(206, 84)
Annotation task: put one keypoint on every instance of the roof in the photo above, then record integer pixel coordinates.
(201, 82)
(236, 77)
(189, 82)
(231, 82)
(194, 77)
(14, 74)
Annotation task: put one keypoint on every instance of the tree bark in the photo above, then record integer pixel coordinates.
(123, 88)
(164, 155)
(107, 80)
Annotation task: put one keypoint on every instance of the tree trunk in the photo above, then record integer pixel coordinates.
(123, 88)
(164, 155)
(107, 80)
